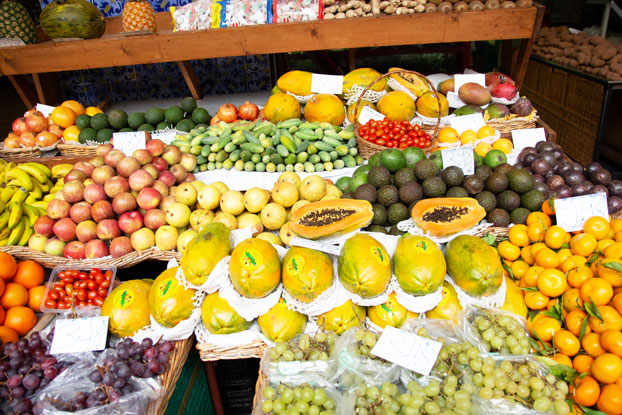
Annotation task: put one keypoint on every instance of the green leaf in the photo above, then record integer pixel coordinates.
(589, 411)
(535, 345)
(614, 265)
(532, 313)
(583, 328)
(529, 289)
(508, 269)
(547, 348)
(554, 313)
(490, 239)
(564, 372)
(593, 258)
(592, 310)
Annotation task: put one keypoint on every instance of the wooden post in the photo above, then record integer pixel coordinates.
(522, 58)
(191, 79)
(213, 388)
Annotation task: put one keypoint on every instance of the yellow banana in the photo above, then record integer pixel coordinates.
(2, 206)
(19, 196)
(47, 186)
(3, 242)
(8, 167)
(60, 170)
(4, 219)
(7, 193)
(35, 173)
(17, 232)
(28, 231)
(36, 193)
(4, 233)
(41, 205)
(22, 177)
(41, 167)
(48, 197)
(16, 214)
(32, 212)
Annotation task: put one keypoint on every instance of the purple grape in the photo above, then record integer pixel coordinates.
(23, 370)
(147, 374)
(18, 392)
(16, 362)
(91, 402)
(137, 369)
(147, 342)
(14, 381)
(31, 381)
(50, 361)
(150, 352)
(21, 406)
(123, 354)
(115, 396)
(22, 344)
(11, 372)
(161, 369)
(123, 371)
(4, 366)
(108, 379)
(16, 354)
(153, 365)
(119, 383)
(9, 348)
(4, 393)
(127, 389)
(167, 346)
(99, 395)
(95, 376)
(44, 382)
(50, 372)
(163, 357)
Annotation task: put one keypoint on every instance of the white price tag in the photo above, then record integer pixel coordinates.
(318, 246)
(461, 157)
(326, 84)
(468, 122)
(46, 110)
(368, 113)
(528, 137)
(408, 350)
(572, 212)
(130, 141)
(475, 78)
(166, 137)
(79, 335)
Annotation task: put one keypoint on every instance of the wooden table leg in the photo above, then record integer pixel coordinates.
(351, 59)
(26, 93)
(191, 79)
(213, 388)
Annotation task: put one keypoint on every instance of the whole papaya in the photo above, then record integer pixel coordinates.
(205, 251)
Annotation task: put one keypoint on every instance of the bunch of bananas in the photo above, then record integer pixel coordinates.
(25, 192)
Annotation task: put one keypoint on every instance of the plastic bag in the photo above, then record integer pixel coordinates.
(325, 398)
(192, 16)
(232, 13)
(284, 11)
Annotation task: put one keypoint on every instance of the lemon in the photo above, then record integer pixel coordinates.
(482, 149)
(92, 111)
(468, 137)
(448, 135)
(485, 131)
(504, 145)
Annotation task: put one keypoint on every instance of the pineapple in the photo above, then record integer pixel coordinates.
(139, 15)
(15, 22)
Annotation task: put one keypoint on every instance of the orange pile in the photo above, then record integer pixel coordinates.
(572, 282)
(20, 296)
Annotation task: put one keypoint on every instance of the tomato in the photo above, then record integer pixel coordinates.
(53, 295)
(105, 283)
(102, 292)
(98, 301)
(380, 142)
(51, 304)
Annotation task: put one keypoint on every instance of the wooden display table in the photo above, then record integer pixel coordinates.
(116, 48)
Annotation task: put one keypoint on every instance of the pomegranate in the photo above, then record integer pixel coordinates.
(503, 89)
(227, 113)
(494, 77)
(215, 120)
(249, 111)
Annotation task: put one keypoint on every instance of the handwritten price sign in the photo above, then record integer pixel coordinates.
(79, 335)
(130, 141)
(407, 350)
(367, 114)
(461, 157)
(572, 212)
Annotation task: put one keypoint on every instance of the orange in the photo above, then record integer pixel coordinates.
(71, 133)
(591, 344)
(611, 340)
(92, 111)
(468, 137)
(535, 300)
(448, 135)
(519, 269)
(563, 254)
(545, 328)
(35, 297)
(14, 295)
(554, 237)
(617, 302)
(607, 368)
(611, 319)
(507, 250)
(535, 232)
(616, 225)
(598, 289)
(548, 207)
(572, 262)
(613, 250)
(502, 144)
(532, 274)
(518, 235)
(63, 116)
(583, 244)
(482, 149)
(603, 244)
(586, 391)
(612, 275)
(562, 359)
(534, 217)
(75, 106)
(574, 320)
(487, 131)
(525, 254)
(536, 247)
(547, 258)
(21, 319)
(8, 266)
(552, 282)
(8, 335)
(582, 363)
(572, 300)
(29, 274)
(567, 343)
(597, 226)
(618, 237)
(1, 287)
(579, 275)
(2, 314)
(610, 400)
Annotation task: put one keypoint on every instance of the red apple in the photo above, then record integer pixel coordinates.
(123, 202)
(103, 149)
(113, 157)
(80, 212)
(120, 246)
(35, 123)
(149, 198)
(127, 166)
(152, 169)
(58, 209)
(94, 193)
(156, 147)
(160, 163)
(167, 201)
(154, 219)
(116, 185)
(73, 192)
(96, 248)
(102, 173)
(167, 178)
(140, 179)
(85, 166)
(43, 226)
(172, 155)
(97, 161)
(85, 231)
(143, 156)
(74, 250)
(19, 126)
(179, 172)
(65, 229)
(74, 175)
(190, 177)
(108, 229)
(160, 187)
(102, 210)
(130, 222)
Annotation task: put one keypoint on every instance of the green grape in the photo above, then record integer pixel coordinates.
(496, 342)
(472, 353)
(314, 410)
(523, 391)
(557, 394)
(278, 406)
(320, 336)
(287, 396)
(266, 406)
(369, 340)
(550, 378)
(307, 394)
(536, 383)
(542, 404)
(443, 354)
(449, 390)
(488, 369)
(269, 393)
(506, 366)
(372, 393)
(359, 334)
(476, 364)
(511, 388)
(562, 386)
(537, 394)
(297, 394)
(274, 355)
(288, 356)
(489, 381)
(298, 355)
(319, 397)
(431, 408)
(486, 393)
(280, 347)
(302, 406)
(323, 356)
(561, 407)
(314, 355)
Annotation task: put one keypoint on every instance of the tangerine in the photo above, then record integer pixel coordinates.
(35, 297)
(92, 111)
(540, 217)
(574, 320)
(610, 400)
(579, 275)
(610, 269)
(562, 359)
(552, 282)
(518, 235)
(509, 251)
(616, 225)
(2, 285)
(572, 261)
(536, 232)
(14, 295)
(611, 319)
(535, 300)
(597, 226)
(548, 207)
(611, 340)
(448, 135)
(582, 363)
(617, 302)
(603, 244)
(613, 250)
(532, 274)
(486, 131)
(2, 314)
(8, 266)
(567, 343)
(29, 274)
(597, 289)
(554, 237)
(607, 368)
(525, 254)
(563, 254)
(8, 335)
(591, 344)
(63, 116)
(21, 319)
(502, 144)
(519, 269)
(583, 244)
(545, 328)
(572, 300)
(547, 258)
(586, 391)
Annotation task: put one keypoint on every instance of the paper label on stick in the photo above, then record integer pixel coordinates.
(80, 335)
(461, 157)
(572, 212)
(319, 246)
(528, 137)
(130, 141)
(368, 113)
(471, 122)
(46, 110)
(326, 84)
(408, 350)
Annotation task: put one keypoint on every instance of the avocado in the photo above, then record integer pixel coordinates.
(393, 159)
(188, 104)
(362, 169)
(357, 180)
(366, 192)
(426, 168)
(379, 176)
(87, 134)
(104, 135)
(154, 115)
(374, 160)
(532, 200)
(483, 171)
(503, 168)
(136, 119)
(163, 125)
(452, 176)
(174, 114)
(126, 130)
(376, 228)
(146, 127)
(413, 155)
(486, 200)
(380, 214)
(496, 182)
(410, 192)
(200, 116)
(508, 200)
(433, 187)
(478, 160)
(117, 119)
(499, 217)
(347, 195)
(388, 195)
(395, 231)
(403, 176)
(397, 212)
(343, 183)
(437, 158)
(473, 184)
(457, 191)
(99, 121)
(83, 121)
(519, 216)
(185, 125)
(468, 109)
(521, 181)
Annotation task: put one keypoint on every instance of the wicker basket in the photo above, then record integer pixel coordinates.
(177, 358)
(126, 261)
(367, 149)
(506, 127)
(209, 352)
(69, 149)
(12, 153)
(494, 230)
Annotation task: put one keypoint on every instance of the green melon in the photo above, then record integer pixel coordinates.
(72, 18)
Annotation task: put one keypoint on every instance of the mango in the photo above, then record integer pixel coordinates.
(467, 110)
(295, 82)
(497, 111)
(472, 93)
(446, 86)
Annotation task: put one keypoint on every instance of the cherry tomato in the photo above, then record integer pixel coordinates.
(380, 142)
(53, 295)
(105, 283)
(51, 304)
(91, 295)
(102, 292)
(81, 295)
(98, 301)
(92, 285)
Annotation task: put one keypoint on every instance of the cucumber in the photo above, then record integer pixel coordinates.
(341, 150)
(309, 167)
(270, 167)
(203, 167)
(308, 126)
(351, 142)
(239, 165)
(328, 166)
(256, 158)
(249, 166)
(227, 164)
(289, 167)
(195, 150)
(321, 145)
(265, 159)
(333, 155)
(245, 155)
(235, 156)
(312, 149)
(319, 167)
(230, 147)
(332, 134)
(205, 151)
(252, 147)
(349, 161)
(291, 159)
(201, 160)
(304, 145)
(302, 157)
(353, 151)
(211, 158)
(307, 135)
(299, 167)
(209, 140)
(338, 164)
(282, 150)
(280, 168)
(276, 159)
(324, 156)
(331, 141)
(214, 148)
(250, 137)
(221, 156)
(289, 123)
(314, 158)
(261, 167)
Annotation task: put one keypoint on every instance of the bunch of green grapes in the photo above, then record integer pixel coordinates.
(365, 341)
(301, 399)
(502, 333)
(305, 348)
(519, 382)
(453, 357)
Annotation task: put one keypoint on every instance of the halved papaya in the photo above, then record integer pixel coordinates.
(328, 217)
(415, 84)
(447, 215)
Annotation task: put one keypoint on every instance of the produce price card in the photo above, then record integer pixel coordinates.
(79, 335)
(408, 350)
(572, 212)
(527, 138)
(326, 84)
(166, 137)
(130, 141)
(367, 114)
(461, 157)
(319, 246)
(471, 122)
(46, 110)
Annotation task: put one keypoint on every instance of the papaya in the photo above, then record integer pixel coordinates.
(342, 317)
(427, 105)
(127, 307)
(444, 216)
(397, 106)
(281, 107)
(329, 217)
(514, 301)
(72, 18)
(306, 273)
(281, 324)
(474, 265)
(351, 107)
(363, 77)
(472, 93)
(169, 301)
(391, 313)
(446, 86)
(414, 83)
(219, 317)
(449, 307)
(325, 108)
(205, 251)
(255, 268)
(418, 265)
(364, 266)
(295, 82)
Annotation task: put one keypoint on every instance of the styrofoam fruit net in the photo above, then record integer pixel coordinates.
(213, 282)
(354, 93)
(300, 98)
(411, 227)
(416, 304)
(505, 101)
(488, 140)
(495, 300)
(446, 120)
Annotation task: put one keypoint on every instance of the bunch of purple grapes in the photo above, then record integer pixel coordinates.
(26, 368)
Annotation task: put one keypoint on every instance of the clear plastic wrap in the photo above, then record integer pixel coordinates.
(325, 400)
(233, 13)
(284, 11)
(192, 16)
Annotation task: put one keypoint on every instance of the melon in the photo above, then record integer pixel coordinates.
(281, 324)
(127, 307)
(72, 18)
(169, 301)
(255, 268)
(364, 266)
(418, 265)
(306, 273)
(342, 317)
(219, 317)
